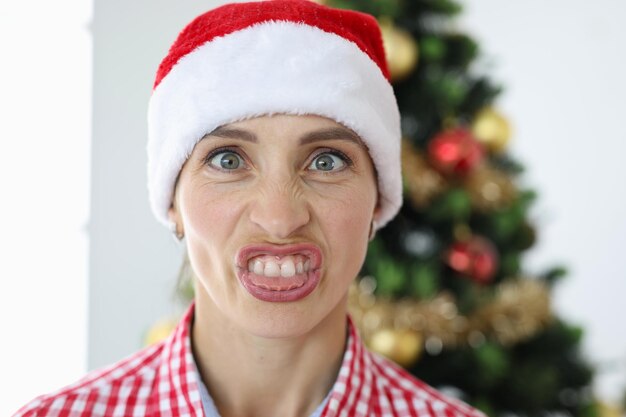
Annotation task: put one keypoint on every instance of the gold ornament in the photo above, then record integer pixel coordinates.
(401, 346)
(609, 410)
(401, 49)
(490, 189)
(519, 309)
(491, 129)
(159, 331)
(422, 182)
(462, 232)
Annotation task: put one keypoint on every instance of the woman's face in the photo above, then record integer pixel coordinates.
(276, 213)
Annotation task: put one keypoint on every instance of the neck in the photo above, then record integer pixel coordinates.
(257, 376)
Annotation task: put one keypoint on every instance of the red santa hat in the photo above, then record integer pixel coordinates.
(244, 60)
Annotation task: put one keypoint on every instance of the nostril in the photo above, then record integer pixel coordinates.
(279, 215)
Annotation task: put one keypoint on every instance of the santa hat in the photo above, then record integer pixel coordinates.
(244, 60)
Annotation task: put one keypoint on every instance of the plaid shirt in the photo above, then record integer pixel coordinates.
(163, 381)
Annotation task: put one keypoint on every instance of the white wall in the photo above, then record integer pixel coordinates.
(560, 61)
(134, 259)
(45, 123)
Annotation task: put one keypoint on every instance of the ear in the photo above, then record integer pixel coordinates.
(377, 209)
(173, 214)
(375, 221)
(176, 226)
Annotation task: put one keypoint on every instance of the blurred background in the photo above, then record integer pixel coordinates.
(86, 270)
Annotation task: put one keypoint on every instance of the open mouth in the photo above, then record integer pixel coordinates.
(279, 273)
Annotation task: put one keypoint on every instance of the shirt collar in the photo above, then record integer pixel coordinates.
(355, 376)
(179, 379)
(178, 375)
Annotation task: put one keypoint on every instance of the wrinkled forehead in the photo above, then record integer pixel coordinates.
(297, 129)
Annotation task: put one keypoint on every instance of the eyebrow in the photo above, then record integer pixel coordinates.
(332, 133)
(232, 133)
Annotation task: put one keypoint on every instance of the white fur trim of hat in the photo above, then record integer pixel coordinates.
(308, 59)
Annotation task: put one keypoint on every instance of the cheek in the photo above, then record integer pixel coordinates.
(347, 217)
(209, 219)
(349, 208)
(208, 213)
(346, 222)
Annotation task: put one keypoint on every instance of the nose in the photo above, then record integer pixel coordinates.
(280, 210)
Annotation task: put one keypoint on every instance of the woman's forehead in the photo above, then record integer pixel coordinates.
(305, 128)
(302, 121)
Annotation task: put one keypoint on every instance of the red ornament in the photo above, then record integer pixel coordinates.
(476, 258)
(455, 152)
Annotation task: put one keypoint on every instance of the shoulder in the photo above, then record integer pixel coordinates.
(127, 382)
(399, 390)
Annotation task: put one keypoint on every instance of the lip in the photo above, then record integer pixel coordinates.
(313, 252)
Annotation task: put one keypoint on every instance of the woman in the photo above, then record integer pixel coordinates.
(274, 151)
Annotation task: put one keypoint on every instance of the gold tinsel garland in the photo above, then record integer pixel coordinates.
(422, 182)
(490, 189)
(402, 329)
(518, 310)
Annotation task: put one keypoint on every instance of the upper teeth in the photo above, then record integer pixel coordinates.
(273, 266)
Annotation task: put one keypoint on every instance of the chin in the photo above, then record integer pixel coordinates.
(282, 320)
(281, 326)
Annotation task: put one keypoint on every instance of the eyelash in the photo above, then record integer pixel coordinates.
(336, 153)
(213, 153)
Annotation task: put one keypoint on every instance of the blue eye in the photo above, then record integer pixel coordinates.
(327, 162)
(226, 160)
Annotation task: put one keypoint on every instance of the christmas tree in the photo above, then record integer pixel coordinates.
(443, 290)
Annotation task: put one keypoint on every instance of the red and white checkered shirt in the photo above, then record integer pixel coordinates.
(163, 381)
